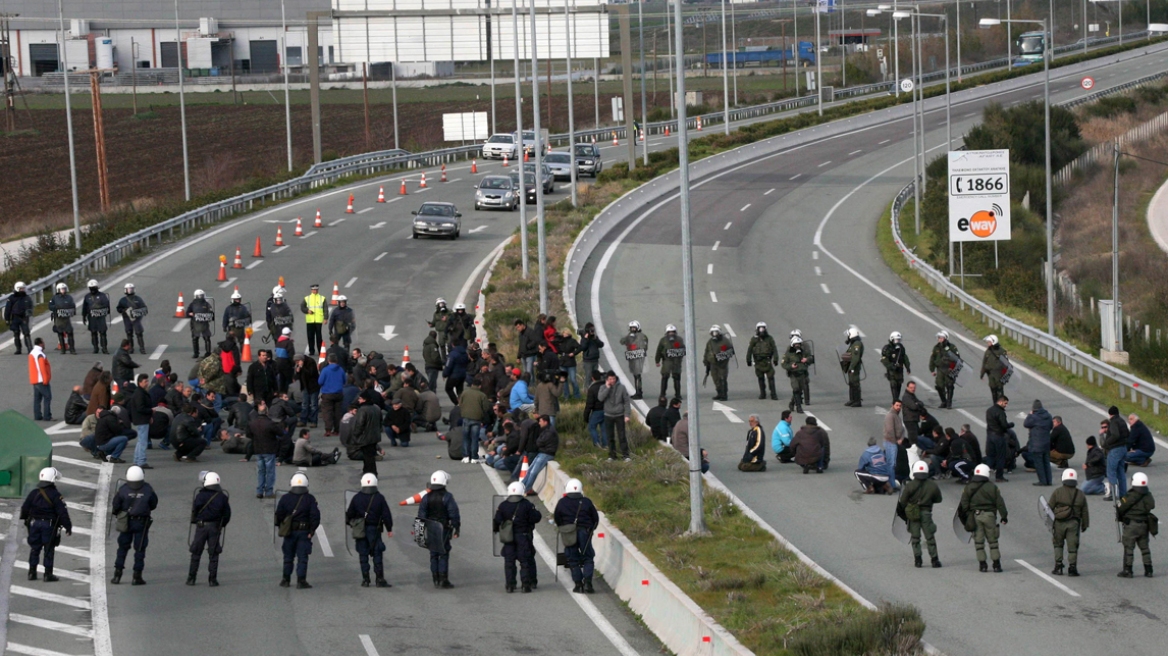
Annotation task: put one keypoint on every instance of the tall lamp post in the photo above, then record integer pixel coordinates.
(991, 22)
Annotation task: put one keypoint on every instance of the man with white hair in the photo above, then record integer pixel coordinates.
(754, 460)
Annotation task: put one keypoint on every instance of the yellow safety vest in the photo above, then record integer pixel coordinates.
(315, 304)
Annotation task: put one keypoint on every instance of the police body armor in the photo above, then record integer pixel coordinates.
(64, 309)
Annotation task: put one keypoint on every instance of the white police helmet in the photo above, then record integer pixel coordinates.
(200, 293)
(982, 470)
(439, 478)
(991, 339)
(670, 328)
(129, 288)
(516, 489)
(574, 486)
(853, 332)
(1070, 475)
(635, 324)
(1140, 480)
(91, 283)
(796, 340)
(715, 329)
(49, 475)
(369, 480)
(135, 474)
(235, 295)
(440, 301)
(921, 467)
(944, 334)
(62, 288)
(299, 480)
(18, 287)
(895, 336)
(459, 306)
(342, 298)
(211, 479)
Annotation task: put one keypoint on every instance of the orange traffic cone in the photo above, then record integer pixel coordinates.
(381, 194)
(405, 354)
(336, 293)
(279, 236)
(409, 501)
(443, 173)
(549, 148)
(281, 282)
(593, 138)
(245, 355)
(299, 229)
(222, 268)
(699, 124)
(114, 387)
(258, 252)
(323, 355)
(526, 157)
(667, 130)
(238, 261)
(472, 170)
(523, 468)
(403, 191)
(180, 312)
(642, 135)
(349, 209)
(422, 184)
(474, 165)
(318, 223)
(614, 141)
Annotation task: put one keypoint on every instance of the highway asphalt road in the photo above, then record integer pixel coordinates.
(789, 239)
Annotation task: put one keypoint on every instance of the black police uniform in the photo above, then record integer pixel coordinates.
(305, 513)
(439, 505)
(524, 518)
(94, 310)
(202, 315)
(43, 512)
(18, 314)
(138, 500)
(63, 308)
(210, 513)
(133, 310)
(236, 319)
(370, 505)
(575, 508)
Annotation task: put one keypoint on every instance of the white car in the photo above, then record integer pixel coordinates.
(500, 145)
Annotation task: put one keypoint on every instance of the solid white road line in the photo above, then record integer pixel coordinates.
(49, 596)
(351, 281)
(729, 330)
(378, 258)
(970, 416)
(883, 142)
(76, 482)
(182, 323)
(1048, 578)
(824, 164)
(254, 264)
(715, 246)
(325, 547)
(768, 192)
(709, 269)
(744, 207)
(837, 308)
(75, 461)
(17, 648)
(158, 351)
(823, 286)
(51, 625)
(279, 248)
(795, 177)
(713, 297)
(728, 224)
(63, 573)
(367, 209)
(97, 597)
(227, 283)
(367, 643)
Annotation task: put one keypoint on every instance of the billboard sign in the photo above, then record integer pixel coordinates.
(979, 195)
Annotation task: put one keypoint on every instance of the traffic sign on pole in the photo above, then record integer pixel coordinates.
(906, 85)
(1087, 83)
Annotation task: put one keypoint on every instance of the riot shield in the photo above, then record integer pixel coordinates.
(959, 529)
(430, 534)
(809, 348)
(350, 539)
(191, 526)
(1011, 377)
(960, 372)
(1046, 514)
(214, 315)
(843, 365)
(1118, 523)
(109, 522)
(900, 529)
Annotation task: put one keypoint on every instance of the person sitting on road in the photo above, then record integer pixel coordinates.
(1095, 469)
(1140, 444)
(754, 460)
(781, 439)
(306, 455)
(874, 471)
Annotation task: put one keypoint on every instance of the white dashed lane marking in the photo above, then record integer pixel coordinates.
(825, 164)
(713, 297)
(744, 207)
(351, 281)
(824, 287)
(837, 308)
(728, 224)
(378, 258)
(716, 245)
(768, 192)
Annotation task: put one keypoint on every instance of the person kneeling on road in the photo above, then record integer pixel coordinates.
(875, 470)
(515, 521)
(188, 438)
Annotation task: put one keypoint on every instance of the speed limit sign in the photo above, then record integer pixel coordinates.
(1087, 83)
(906, 85)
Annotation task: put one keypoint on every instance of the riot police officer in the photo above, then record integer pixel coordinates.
(94, 310)
(132, 507)
(1135, 513)
(763, 355)
(943, 364)
(44, 514)
(895, 361)
(993, 364)
(796, 362)
(370, 507)
(719, 350)
(18, 313)
(62, 307)
(852, 363)
(279, 314)
(669, 356)
(460, 326)
(342, 322)
(439, 505)
(133, 309)
(202, 316)
(809, 353)
(236, 317)
(515, 521)
(636, 351)
(302, 513)
(1071, 517)
(210, 513)
(916, 508)
(438, 322)
(576, 509)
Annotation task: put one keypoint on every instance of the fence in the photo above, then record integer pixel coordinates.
(1103, 151)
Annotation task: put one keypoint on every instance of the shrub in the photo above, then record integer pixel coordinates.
(894, 630)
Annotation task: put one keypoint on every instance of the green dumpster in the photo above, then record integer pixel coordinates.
(25, 450)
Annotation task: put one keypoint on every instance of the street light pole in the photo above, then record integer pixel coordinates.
(519, 137)
(644, 113)
(538, 173)
(726, 77)
(571, 110)
(734, 42)
(69, 128)
(1118, 325)
(182, 103)
(697, 522)
(818, 64)
(287, 95)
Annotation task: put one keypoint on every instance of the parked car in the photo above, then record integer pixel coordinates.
(500, 145)
(437, 219)
(560, 164)
(497, 192)
(588, 160)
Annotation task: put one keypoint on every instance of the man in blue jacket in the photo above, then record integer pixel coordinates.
(521, 398)
(455, 371)
(332, 385)
(781, 439)
(875, 469)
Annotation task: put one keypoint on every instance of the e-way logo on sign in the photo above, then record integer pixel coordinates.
(983, 223)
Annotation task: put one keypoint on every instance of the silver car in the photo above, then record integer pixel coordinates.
(437, 220)
(548, 180)
(560, 164)
(588, 160)
(497, 192)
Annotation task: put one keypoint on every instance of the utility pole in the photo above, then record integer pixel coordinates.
(99, 141)
(571, 109)
(725, 76)
(519, 137)
(69, 126)
(365, 97)
(627, 65)
(644, 116)
(538, 173)
(669, 61)
(287, 93)
(697, 520)
(182, 103)
(314, 82)
(6, 63)
(134, 72)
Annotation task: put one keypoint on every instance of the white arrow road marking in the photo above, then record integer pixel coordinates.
(375, 226)
(61, 428)
(478, 229)
(880, 411)
(728, 411)
(388, 333)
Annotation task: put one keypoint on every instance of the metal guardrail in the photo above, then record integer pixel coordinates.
(369, 163)
(1052, 348)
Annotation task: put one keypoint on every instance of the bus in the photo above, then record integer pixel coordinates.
(1033, 46)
